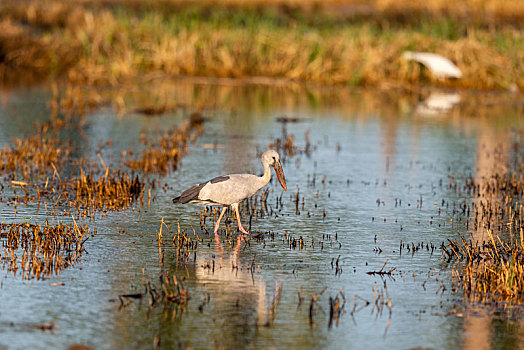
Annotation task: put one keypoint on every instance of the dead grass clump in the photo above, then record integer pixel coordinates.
(115, 190)
(164, 156)
(491, 271)
(183, 244)
(156, 160)
(490, 266)
(34, 155)
(41, 250)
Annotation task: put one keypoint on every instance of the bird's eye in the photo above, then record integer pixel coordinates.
(274, 159)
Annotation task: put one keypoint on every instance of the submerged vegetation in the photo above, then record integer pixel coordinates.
(489, 259)
(32, 155)
(490, 264)
(164, 155)
(345, 43)
(491, 271)
(45, 169)
(41, 250)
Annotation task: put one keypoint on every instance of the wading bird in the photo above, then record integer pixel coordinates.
(439, 65)
(230, 190)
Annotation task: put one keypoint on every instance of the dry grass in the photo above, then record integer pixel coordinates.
(41, 167)
(472, 11)
(361, 45)
(41, 250)
(33, 155)
(490, 271)
(113, 191)
(163, 155)
(490, 265)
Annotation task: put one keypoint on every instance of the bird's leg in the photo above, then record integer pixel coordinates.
(217, 224)
(219, 246)
(240, 227)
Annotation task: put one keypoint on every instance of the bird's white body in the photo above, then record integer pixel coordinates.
(439, 65)
(230, 190)
(233, 190)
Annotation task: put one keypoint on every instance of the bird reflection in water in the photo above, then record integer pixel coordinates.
(240, 291)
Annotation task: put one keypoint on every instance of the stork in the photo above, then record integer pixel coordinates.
(440, 66)
(230, 190)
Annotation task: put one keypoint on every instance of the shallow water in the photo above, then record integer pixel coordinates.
(379, 167)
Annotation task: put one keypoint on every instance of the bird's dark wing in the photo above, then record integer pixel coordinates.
(192, 193)
(189, 194)
(219, 179)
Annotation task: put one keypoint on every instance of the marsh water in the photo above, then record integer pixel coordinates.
(372, 172)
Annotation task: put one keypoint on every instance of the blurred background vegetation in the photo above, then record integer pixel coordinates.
(352, 42)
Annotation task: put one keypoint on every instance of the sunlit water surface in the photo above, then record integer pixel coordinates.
(376, 175)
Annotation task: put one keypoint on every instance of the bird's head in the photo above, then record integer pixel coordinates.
(271, 157)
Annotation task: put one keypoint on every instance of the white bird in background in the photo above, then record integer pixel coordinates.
(439, 65)
(230, 190)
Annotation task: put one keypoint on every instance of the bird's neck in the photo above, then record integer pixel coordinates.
(267, 174)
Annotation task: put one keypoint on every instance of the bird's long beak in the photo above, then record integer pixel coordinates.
(280, 175)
